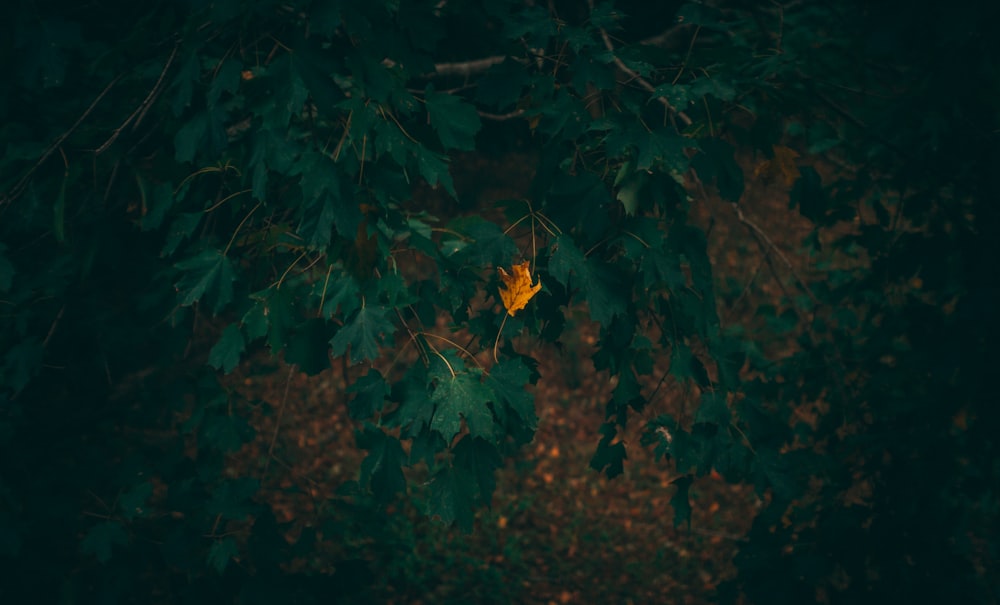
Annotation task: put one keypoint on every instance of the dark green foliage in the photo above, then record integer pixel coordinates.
(186, 187)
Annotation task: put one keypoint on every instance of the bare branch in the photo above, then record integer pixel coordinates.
(466, 68)
(21, 184)
(643, 83)
(757, 231)
(670, 38)
(501, 117)
(140, 111)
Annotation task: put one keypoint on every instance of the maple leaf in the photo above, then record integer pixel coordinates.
(519, 288)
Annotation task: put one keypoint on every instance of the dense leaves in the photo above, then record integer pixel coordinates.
(187, 190)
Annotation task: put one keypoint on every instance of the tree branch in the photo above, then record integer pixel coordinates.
(756, 230)
(667, 38)
(17, 189)
(141, 110)
(466, 68)
(643, 83)
(501, 117)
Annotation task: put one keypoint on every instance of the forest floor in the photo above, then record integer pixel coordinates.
(557, 531)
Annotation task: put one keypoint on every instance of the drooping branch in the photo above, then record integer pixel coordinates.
(769, 245)
(501, 117)
(466, 68)
(668, 38)
(642, 82)
(17, 189)
(140, 112)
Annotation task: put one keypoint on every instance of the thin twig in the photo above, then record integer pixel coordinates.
(52, 328)
(501, 117)
(770, 246)
(643, 83)
(457, 346)
(496, 343)
(668, 38)
(18, 189)
(140, 111)
(277, 423)
(240, 226)
(413, 337)
(467, 68)
(687, 57)
(746, 290)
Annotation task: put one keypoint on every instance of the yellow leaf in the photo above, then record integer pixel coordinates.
(519, 289)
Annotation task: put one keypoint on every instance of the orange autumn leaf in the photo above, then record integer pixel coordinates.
(519, 289)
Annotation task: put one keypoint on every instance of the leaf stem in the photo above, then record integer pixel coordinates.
(294, 262)
(496, 343)
(443, 358)
(457, 346)
(225, 199)
(240, 226)
(322, 298)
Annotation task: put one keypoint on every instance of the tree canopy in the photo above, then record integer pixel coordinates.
(187, 187)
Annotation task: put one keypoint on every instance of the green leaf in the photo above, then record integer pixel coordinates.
(508, 380)
(255, 321)
(210, 274)
(181, 228)
(308, 346)
(609, 456)
(366, 330)
(450, 498)
(369, 395)
(484, 243)
(101, 537)
(681, 501)
(227, 79)
(132, 501)
(233, 498)
(773, 469)
(458, 397)
(157, 200)
(713, 409)
(433, 168)
(478, 461)
(502, 84)
(225, 355)
(603, 290)
(417, 409)
(326, 203)
(342, 296)
(221, 552)
(720, 88)
(455, 121)
(225, 431)
(382, 468)
(184, 83)
(628, 194)
(678, 95)
(809, 196)
(310, 70)
(662, 147)
(717, 162)
(190, 138)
